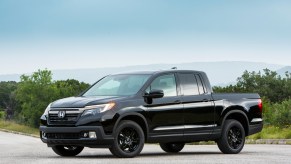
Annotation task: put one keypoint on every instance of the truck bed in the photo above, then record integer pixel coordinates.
(234, 96)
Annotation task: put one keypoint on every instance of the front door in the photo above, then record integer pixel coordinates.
(165, 114)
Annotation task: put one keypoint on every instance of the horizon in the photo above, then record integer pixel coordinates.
(110, 67)
(219, 73)
(62, 35)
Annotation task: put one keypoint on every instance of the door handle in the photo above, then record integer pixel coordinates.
(205, 100)
(177, 101)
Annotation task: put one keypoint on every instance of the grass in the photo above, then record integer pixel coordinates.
(12, 126)
(271, 132)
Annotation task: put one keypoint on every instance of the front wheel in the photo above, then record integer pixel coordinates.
(67, 150)
(172, 147)
(128, 140)
(232, 139)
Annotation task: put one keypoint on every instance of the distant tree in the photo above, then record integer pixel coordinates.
(228, 89)
(70, 87)
(268, 84)
(34, 93)
(7, 98)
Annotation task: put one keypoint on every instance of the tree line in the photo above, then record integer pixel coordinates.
(25, 101)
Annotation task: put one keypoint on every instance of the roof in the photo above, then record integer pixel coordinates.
(157, 72)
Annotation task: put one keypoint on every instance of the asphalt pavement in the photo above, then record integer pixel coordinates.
(16, 148)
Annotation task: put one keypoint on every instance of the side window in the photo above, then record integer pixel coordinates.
(167, 83)
(189, 84)
(200, 84)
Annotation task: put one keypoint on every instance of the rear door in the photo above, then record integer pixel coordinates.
(198, 107)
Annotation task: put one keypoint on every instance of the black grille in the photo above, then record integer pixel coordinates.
(63, 135)
(70, 118)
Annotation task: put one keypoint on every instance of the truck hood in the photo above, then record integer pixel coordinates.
(80, 102)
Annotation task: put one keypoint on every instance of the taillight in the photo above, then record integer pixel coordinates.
(260, 105)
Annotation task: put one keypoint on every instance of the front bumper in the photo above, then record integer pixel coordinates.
(73, 136)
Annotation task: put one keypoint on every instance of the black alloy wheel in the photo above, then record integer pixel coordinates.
(128, 140)
(232, 138)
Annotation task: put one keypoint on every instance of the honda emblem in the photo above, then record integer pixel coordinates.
(61, 114)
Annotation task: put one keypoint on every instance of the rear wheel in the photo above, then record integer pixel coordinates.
(172, 147)
(128, 140)
(67, 150)
(232, 138)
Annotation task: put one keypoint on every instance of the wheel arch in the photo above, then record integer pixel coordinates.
(238, 115)
(137, 118)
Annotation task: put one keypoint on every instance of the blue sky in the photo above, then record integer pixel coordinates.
(69, 34)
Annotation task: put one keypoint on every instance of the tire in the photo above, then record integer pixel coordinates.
(128, 140)
(67, 150)
(232, 139)
(172, 147)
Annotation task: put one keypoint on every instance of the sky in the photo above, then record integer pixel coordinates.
(72, 34)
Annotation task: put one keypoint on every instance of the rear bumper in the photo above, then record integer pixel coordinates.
(73, 136)
(255, 128)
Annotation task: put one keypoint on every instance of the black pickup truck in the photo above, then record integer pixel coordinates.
(123, 111)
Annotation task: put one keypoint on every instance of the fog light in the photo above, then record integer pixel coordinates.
(92, 135)
(85, 135)
(43, 135)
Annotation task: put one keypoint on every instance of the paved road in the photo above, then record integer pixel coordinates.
(24, 149)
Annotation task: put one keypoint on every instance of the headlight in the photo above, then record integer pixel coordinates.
(95, 109)
(47, 109)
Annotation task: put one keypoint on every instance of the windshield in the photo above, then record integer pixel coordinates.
(117, 85)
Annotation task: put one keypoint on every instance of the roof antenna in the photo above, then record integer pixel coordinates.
(174, 68)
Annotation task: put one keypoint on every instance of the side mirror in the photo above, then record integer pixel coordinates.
(154, 94)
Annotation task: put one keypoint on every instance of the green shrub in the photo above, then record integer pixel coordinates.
(267, 112)
(2, 115)
(282, 113)
(277, 114)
